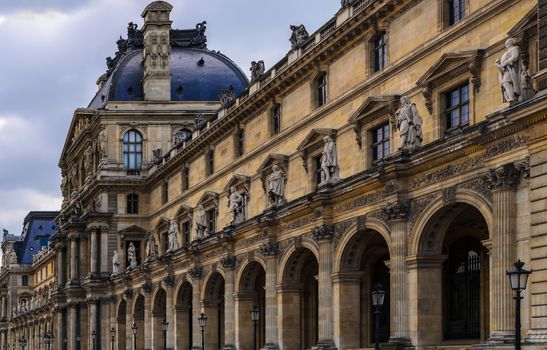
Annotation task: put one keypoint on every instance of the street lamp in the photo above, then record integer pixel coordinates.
(113, 336)
(164, 326)
(518, 279)
(378, 295)
(48, 339)
(23, 342)
(134, 330)
(255, 316)
(94, 337)
(202, 322)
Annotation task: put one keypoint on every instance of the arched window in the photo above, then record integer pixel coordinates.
(380, 52)
(132, 152)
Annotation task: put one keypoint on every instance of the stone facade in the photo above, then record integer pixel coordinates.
(437, 222)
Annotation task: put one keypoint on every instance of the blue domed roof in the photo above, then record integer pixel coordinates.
(196, 75)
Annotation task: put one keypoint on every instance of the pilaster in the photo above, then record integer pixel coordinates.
(228, 264)
(270, 251)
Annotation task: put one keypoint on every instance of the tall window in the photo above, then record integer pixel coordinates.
(276, 120)
(132, 203)
(321, 89)
(165, 191)
(380, 52)
(456, 11)
(240, 141)
(24, 280)
(457, 107)
(380, 142)
(186, 232)
(212, 219)
(210, 160)
(185, 178)
(317, 161)
(132, 151)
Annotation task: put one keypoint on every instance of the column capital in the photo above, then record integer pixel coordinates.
(169, 281)
(228, 262)
(398, 210)
(196, 272)
(269, 249)
(73, 236)
(147, 287)
(323, 232)
(505, 177)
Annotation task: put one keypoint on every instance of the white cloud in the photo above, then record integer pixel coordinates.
(21, 137)
(2, 20)
(18, 202)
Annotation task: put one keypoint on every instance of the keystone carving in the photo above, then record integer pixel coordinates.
(324, 232)
(269, 249)
(399, 210)
(228, 262)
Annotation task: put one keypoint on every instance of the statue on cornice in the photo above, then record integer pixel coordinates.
(116, 268)
(299, 36)
(132, 256)
(88, 161)
(172, 235)
(409, 124)
(101, 144)
(235, 205)
(257, 70)
(201, 222)
(226, 96)
(151, 248)
(330, 171)
(276, 186)
(509, 66)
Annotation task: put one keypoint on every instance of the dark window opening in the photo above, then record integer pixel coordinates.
(210, 162)
(132, 152)
(317, 161)
(456, 11)
(185, 178)
(380, 52)
(457, 107)
(276, 120)
(321, 89)
(380, 142)
(165, 191)
(24, 281)
(211, 218)
(240, 142)
(132, 203)
(186, 232)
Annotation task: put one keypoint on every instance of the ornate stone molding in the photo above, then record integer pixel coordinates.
(449, 195)
(128, 293)
(506, 145)
(398, 210)
(505, 177)
(325, 232)
(269, 249)
(196, 272)
(228, 262)
(169, 281)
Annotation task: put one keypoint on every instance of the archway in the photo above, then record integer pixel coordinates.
(362, 266)
(299, 300)
(158, 317)
(121, 325)
(138, 320)
(251, 291)
(183, 310)
(453, 262)
(213, 306)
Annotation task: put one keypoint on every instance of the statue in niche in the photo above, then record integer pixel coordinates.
(132, 256)
(88, 161)
(172, 235)
(116, 268)
(101, 144)
(151, 248)
(236, 206)
(276, 186)
(509, 66)
(299, 36)
(330, 171)
(409, 124)
(201, 222)
(164, 50)
(64, 188)
(257, 70)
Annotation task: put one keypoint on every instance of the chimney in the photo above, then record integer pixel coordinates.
(157, 49)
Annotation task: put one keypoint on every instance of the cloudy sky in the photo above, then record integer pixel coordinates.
(53, 51)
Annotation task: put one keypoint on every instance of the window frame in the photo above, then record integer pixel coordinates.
(165, 191)
(210, 162)
(132, 204)
(379, 50)
(321, 89)
(448, 110)
(239, 142)
(276, 119)
(452, 18)
(383, 142)
(185, 178)
(137, 141)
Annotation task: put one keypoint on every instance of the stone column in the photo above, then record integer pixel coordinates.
(104, 250)
(148, 318)
(73, 239)
(397, 214)
(347, 309)
(94, 251)
(270, 251)
(196, 273)
(169, 283)
(61, 267)
(229, 263)
(93, 326)
(129, 319)
(323, 235)
(60, 332)
(72, 325)
(503, 181)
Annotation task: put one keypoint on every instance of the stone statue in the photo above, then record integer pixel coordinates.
(101, 144)
(345, 3)
(527, 91)
(257, 70)
(201, 222)
(235, 205)
(64, 189)
(151, 248)
(200, 121)
(172, 236)
(226, 96)
(509, 66)
(164, 50)
(329, 163)
(156, 156)
(409, 124)
(116, 268)
(298, 36)
(88, 161)
(181, 135)
(132, 256)
(276, 186)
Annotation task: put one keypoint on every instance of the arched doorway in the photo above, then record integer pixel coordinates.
(299, 294)
(138, 320)
(158, 317)
(363, 265)
(213, 306)
(453, 262)
(121, 325)
(183, 311)
(251, 291)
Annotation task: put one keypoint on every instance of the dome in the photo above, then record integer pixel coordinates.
(197, 74)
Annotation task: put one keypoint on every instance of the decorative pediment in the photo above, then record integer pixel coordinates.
(209, 197)
(134, 229)
(373, 107)
(81, 121)
(239, 180)
(450, 66)
(184, 210)
(264, 170)
(313, 142)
